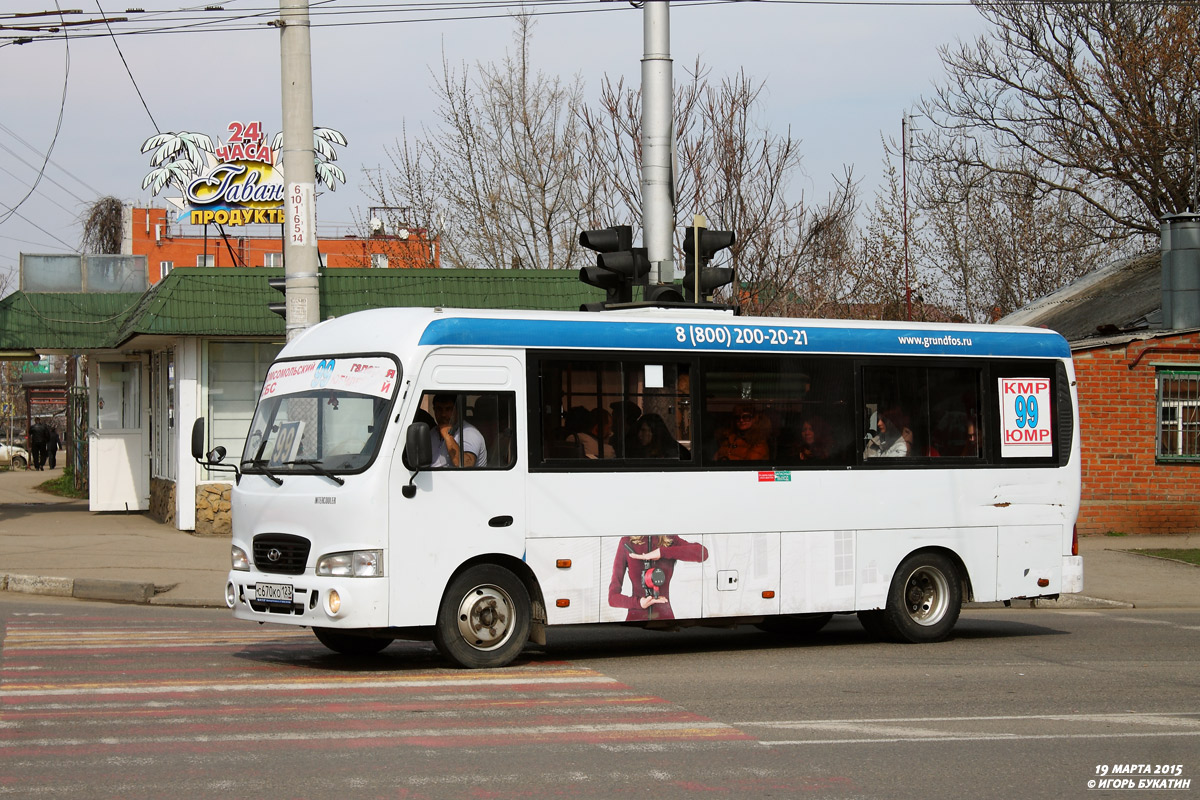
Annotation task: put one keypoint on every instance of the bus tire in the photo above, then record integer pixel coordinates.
(350, 644)
(484, 619)
(795, 624)
(924, 600)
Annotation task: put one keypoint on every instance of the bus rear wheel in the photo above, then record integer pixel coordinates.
(349, 644)
(484, 619)
(924, 600)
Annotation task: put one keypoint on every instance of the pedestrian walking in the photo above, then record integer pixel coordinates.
(52, 445)
(38, 434)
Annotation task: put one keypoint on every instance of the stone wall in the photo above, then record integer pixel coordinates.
(162, 501)
(213, 509)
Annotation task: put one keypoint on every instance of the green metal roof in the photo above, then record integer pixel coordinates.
(68, 321)
(233, 302)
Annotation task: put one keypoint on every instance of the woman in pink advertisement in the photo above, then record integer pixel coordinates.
(650, 563)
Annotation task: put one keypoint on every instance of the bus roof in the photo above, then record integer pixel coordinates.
(400, 330)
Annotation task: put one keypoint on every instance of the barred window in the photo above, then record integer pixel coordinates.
(1178, 415)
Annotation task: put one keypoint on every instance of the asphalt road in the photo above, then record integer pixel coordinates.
(100, 700)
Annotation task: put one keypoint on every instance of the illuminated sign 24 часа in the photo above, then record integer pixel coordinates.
(237, 182)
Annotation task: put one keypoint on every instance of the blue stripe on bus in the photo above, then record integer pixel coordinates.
(735, 337)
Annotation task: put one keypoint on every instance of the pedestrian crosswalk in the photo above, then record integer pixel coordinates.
(98, 693)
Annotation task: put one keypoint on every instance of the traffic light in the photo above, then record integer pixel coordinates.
(279, 285)
(699, 246)
(664, 293)
(619, 265)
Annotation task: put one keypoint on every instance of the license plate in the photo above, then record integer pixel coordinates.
(273, 593)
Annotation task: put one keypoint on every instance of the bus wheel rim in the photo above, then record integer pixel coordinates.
(485, 617)
(927, 596)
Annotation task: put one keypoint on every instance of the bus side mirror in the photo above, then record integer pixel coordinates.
(198, 440)
(418, 454)
(213, 458)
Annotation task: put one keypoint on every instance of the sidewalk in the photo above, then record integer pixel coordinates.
(50, 545)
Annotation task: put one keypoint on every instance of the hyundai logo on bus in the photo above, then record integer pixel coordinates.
(274, 554)
(1026, 418)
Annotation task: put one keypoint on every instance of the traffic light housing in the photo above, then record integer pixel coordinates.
(619, 265)
(699, 246)
(279, 285)
(664, 293)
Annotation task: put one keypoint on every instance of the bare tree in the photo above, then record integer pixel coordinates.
(102, 227)
(995, 242)
(497, 179)
(1095, 101)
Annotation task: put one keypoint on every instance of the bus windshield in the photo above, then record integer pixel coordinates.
(321, 415)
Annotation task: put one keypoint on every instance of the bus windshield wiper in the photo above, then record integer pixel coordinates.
(316, 466)
(260, 463)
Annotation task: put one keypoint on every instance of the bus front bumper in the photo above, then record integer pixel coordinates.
(310, 600)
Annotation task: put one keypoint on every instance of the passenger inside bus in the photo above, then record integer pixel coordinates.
(746, 438)
(653, 440)
(594, 439)
(811, 440)
(892, 437)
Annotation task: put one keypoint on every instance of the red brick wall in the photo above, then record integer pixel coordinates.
(1124, 488)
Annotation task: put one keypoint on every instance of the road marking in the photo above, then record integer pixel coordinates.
(1008, 737)
(923, 729)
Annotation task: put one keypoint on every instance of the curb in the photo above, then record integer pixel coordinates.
(1081, 601)
(80, 588)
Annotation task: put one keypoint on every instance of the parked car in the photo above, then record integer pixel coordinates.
(13, 456)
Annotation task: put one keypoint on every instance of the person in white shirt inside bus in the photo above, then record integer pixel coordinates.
(456, 443)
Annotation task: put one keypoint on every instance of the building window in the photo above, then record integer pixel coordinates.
(379, 260)
(273, 259)
(164, 268)
(1178, 415)
(206, 261)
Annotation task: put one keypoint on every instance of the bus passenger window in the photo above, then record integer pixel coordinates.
(470, 429)
(921, 412)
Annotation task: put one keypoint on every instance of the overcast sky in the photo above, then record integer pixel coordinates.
(839, 75)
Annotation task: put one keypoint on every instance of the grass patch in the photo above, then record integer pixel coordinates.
(1115, 533)
(62, 486)
(1191, 556)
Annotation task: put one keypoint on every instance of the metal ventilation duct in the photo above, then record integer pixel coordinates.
(1181, 271)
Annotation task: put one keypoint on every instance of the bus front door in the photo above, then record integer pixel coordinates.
(460, 511)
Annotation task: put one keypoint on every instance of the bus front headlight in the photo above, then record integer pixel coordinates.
(237, 557)
(353, 564)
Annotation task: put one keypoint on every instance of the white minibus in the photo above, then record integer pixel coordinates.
(474, 477)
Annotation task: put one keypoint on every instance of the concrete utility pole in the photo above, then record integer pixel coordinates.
(300, 260)
(658, 178)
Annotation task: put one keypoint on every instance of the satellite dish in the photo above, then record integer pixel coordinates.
(402, 233)
(376, 225)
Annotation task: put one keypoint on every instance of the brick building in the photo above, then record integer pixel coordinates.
(167, 243)
(1134, 330)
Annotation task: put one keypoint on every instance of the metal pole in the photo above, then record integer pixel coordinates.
(658, 180)
(904, 183)
(300, 259)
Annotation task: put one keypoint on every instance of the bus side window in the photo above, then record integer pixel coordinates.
(480, 428)
(920, 412)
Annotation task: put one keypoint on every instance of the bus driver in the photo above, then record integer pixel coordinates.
(455, 443)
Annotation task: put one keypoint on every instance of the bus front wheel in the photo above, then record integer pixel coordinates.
(484, 619)
(924, 599)
(349, 644)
